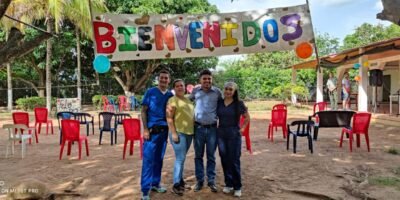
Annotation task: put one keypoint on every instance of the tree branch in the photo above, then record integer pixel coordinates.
(16, 47)
(29, 83)
(3, 7)
(119, 80)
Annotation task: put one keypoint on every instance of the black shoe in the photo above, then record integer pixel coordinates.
(183, 186)
(198, 187)
(176, 189)
(213, 187)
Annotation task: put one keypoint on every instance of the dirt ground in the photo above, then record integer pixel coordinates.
(271, 172)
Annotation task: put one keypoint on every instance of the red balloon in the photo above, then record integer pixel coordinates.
(304, 50)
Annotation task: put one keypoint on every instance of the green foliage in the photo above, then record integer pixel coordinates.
(30, 103)
(284, 92)
(368, 33)
(385, 181)
(327, 44)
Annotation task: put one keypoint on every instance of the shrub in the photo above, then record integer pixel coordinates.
(30, 103)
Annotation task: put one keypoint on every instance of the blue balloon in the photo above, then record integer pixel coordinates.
(101, 64)
(357, 65)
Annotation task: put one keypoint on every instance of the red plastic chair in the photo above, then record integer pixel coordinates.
(132, 133)
(23, 118)
(278, 119)
(279, 106)
(320, 106)
(41, 117)
(123, 103)
(107, 106)
(71, 133)
(246, 134)
(360, 126)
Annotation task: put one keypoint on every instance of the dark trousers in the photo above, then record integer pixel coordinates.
(229, 147)
(153, 155)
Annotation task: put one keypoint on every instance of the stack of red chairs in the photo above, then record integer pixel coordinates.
(123, 103)
(278, 119)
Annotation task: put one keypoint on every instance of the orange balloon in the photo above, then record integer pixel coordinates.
(304, 50)
(357, 78)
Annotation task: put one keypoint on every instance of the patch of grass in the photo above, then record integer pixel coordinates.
(385, 181)
(393, 151)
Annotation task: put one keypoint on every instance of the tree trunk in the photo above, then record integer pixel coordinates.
(78, 63)
(42, 83)
(9, 87)
(50, 24)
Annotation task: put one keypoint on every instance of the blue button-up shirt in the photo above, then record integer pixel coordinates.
(205, 111)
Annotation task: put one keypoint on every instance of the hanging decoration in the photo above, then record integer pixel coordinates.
(101, 64)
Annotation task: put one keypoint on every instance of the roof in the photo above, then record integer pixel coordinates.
(373, 51)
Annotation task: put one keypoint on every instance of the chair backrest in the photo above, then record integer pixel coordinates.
(41, 114)
(122, 99)
(247, 129)
(70, 129)
(320, 106)
(105, 100)
(111, 100)
(107, 118)
(64, 115)
(334, 118)
(131, 128)
(21, 118)
(278, 117)
(361, 122)
(279, 106)
(303, 127)
(134, 101)
(83, 117)
(18, 128)
(121, 116)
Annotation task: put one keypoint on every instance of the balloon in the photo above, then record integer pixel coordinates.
(101, 64)
(357, 78)
(304, 50)
(356, 65)
(366, 64)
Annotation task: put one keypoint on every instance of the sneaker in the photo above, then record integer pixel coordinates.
(176, 189)
(198, 186)
(227, 190)
(145, 197)
(212, 187)
(237, 193)
(158, 189)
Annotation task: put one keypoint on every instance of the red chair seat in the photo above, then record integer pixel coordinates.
(71, 133)
(132, 133)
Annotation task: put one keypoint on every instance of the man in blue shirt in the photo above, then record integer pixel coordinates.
(155, 134)
(205, 129)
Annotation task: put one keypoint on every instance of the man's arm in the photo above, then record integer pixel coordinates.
(146, 133)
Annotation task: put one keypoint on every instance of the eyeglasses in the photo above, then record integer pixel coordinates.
(229, 89)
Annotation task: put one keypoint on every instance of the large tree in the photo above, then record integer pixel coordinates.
(135, 75)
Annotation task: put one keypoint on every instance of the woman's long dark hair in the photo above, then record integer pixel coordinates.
(236, 100)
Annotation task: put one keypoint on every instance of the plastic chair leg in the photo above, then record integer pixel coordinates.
(92, 128)
(294, 143)
(287, 142)
(87, 129)
(248, 143)
(87, 147)
(132, 147)
(101, 135)
(358, 140)
(62, 149)
(123, 154)
(52, 128)
(351, 141)
(341, 139)
(69, 148)
(367, 140)
(79, 149)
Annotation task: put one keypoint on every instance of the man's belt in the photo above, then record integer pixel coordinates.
(206, 125)
(158, 129)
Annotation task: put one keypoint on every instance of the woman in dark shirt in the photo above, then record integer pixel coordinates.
(229, 136)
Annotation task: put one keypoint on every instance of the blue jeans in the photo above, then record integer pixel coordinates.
(229, 147)
(153, 155)
(205, 137)
(180, 150)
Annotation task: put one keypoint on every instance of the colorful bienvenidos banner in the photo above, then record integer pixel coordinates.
(136, 37)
